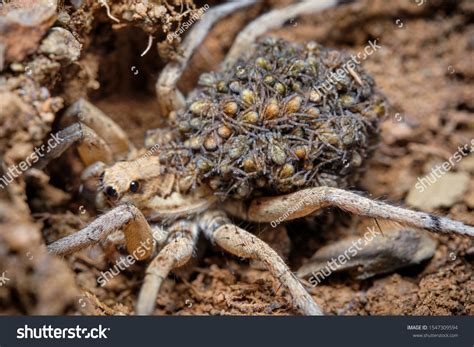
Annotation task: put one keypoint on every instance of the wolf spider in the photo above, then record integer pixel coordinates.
(147, 197)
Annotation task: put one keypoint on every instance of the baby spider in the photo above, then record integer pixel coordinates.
(256, 130)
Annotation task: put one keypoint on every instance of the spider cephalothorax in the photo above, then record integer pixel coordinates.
(279, 120)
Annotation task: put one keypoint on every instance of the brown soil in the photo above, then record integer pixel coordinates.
(426, 70)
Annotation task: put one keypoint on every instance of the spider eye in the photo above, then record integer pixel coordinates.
(111, 192)
(134, 185)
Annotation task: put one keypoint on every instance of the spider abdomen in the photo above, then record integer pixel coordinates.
(286, 117)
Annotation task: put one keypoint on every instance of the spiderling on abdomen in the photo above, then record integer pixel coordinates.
(277, 121)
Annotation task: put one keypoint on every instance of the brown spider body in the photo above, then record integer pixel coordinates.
(267, 126)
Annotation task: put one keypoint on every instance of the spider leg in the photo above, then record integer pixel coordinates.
(219, 230)
(136, 229)
(92, 148)
(115, 137)
(177, 251)
(271, 20)
(112, 143)
(307, 201)
(169, 97)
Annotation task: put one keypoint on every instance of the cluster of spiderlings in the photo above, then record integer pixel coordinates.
(264, 127)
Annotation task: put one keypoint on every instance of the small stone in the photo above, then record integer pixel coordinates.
(61, 44)
(444, 192)
(23, 24)
(376, 253)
